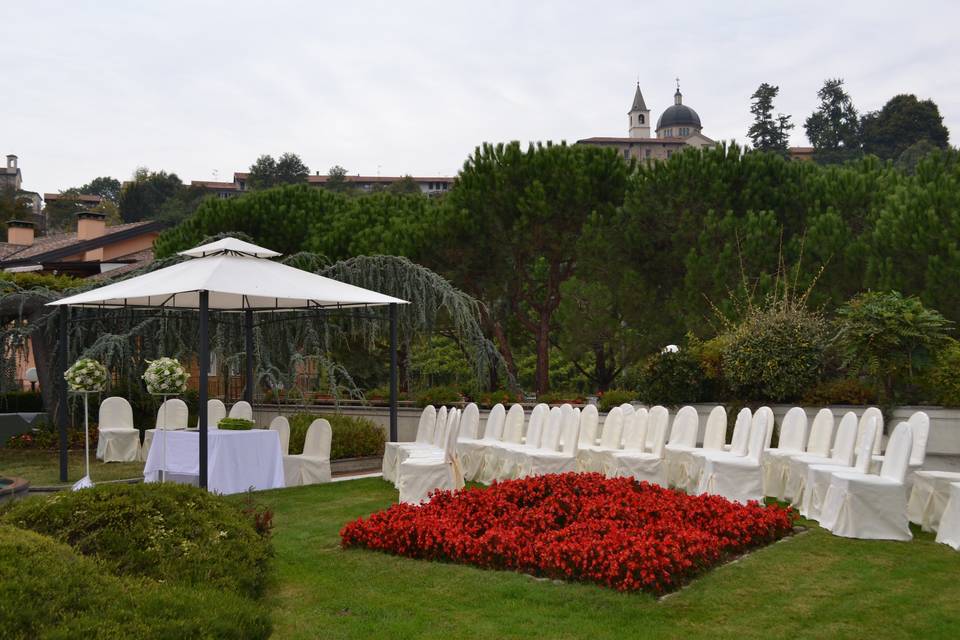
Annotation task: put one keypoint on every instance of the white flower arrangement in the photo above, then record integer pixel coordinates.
(166, 376)
(86, 374)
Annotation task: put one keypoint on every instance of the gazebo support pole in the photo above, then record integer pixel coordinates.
(248, 340)
(63, 417)
(204, 374)
(393, 372)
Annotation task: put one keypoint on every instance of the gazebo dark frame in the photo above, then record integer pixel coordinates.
(203, 355)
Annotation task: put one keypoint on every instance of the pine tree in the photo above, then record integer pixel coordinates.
(834, 128)
(768, 133)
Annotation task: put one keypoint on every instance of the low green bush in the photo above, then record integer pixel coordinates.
(21, 402)
(561, 397)
(47, 590)
(671, 378)
(615, 398)
(439, 396)
(353, 437)
(488, 399)
(169, 532)
(776, 353)
(842, 391)
(235, 424)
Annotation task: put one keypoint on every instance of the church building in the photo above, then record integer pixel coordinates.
(677, 127)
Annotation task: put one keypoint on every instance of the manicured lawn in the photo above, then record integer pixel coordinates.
(42, 468)
(809, 586)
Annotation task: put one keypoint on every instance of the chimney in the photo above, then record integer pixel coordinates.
(90, 225)
(20, 232)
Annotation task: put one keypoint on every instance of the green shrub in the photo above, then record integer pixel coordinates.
(776, 353)
(439, 396)
(560, 397)
(170, 532)
(671, 378)
(21, 402)
(842, 391)
(892, 339)
(943, 380)
(235, 424)
(352, 437)
(47, 590)
(616, 397)
(488, 399)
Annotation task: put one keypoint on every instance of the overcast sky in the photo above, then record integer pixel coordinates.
(203, 88)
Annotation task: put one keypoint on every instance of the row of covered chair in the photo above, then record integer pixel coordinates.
(835, 473)
(119, 439)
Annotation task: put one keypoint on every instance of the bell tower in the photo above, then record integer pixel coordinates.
(639, 116)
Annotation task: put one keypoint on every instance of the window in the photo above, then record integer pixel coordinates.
(647, 153)
(626, 154)
(640, 119)
(684, 131)
(669, 153)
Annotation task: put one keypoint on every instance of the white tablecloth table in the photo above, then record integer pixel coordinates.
(237, 460)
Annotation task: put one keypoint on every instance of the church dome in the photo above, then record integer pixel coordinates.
(679, 115)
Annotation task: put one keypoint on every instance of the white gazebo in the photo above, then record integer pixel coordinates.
(228, 275)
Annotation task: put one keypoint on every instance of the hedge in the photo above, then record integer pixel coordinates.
(21, 402)
(170, 532)
(47, 590)
(352, 437)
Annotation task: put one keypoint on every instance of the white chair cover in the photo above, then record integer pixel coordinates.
(872, 412)
(281, 425)
(841, 455)
(929, 496)
(775, 462)
(489, 468)
(683, 440)
(470, 423)
(590, 457)
(920, 426)
(821, 433)
(426, 428)
(216, 411)
(634, 439)
(714, 437)
(543, 432)
(118, 440)
(472, 452)
(313, 465)
(422, 474)
(949, 531)
(820, 475)
(589, 425)
(446, 420)
(174, 413)
(639, 465)
(241, 409)
(872, 507)
(766, 414)
(738, 478)
(737, 448)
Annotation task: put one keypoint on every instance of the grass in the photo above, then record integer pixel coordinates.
(42, 468)
(813, 585)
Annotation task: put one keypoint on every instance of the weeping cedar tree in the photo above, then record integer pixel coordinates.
(521, 213)
(283, 348)
(768, 133)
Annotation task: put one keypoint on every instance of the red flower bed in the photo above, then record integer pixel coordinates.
(612, 531)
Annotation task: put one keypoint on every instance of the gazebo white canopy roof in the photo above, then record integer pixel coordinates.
(238, 276)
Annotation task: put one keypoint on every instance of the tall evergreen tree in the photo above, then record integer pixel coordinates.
(834, 128)
(768, 133)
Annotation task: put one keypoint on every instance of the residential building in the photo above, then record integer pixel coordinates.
(429, 185)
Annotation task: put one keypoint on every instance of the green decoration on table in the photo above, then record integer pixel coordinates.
(236, 424)
(87, 375)
(166, 376)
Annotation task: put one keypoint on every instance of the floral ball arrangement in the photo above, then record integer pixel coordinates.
(166, 376)
(86, 374)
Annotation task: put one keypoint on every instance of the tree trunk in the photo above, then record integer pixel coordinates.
(543, 352)
(44, 356)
